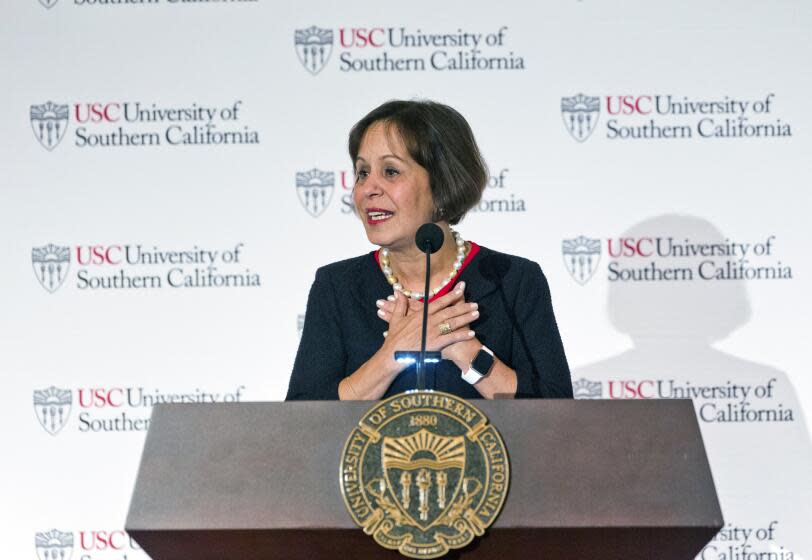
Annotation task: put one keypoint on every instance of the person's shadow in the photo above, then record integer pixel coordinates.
(762, 469)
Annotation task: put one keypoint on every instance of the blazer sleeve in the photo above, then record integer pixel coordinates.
(538, 353)
(321, 359)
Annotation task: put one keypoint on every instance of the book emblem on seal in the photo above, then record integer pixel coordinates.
(424, 472)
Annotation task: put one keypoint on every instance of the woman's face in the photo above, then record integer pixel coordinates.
(392, 193)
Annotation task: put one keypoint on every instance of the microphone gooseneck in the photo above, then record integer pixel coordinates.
(429, 239)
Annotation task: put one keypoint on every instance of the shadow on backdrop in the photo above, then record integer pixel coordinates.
(761, 467)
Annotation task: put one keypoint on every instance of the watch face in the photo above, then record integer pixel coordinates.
(482, 363)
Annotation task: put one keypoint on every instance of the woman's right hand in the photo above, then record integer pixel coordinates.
(405, 318)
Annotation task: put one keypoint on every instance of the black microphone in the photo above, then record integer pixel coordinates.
(429, 239)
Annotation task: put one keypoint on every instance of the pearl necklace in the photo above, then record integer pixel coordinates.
(462, 251)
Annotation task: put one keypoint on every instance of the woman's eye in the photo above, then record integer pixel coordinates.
(361, 174)
(391, 172)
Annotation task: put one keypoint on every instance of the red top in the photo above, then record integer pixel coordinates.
(447, 288)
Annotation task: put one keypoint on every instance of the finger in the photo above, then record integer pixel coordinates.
(387, 309)
(401, 304)
(450, 298)
(384, 315)
(388, 306)
(382, 311)
(463, 320)
(463, 334)
(459, 310)
(455, 323)
(452, 338)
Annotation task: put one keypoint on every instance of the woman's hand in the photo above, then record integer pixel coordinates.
(405, 318)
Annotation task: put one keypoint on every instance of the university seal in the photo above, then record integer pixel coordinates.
(424, 472)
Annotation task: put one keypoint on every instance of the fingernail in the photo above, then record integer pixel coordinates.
(381, 314)
(474, 306)
(471, 334)
(385, 333)
(475, 314)
(461, 286)
(391, 298)
(379, 303)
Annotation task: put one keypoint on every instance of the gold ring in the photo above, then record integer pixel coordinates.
(445, 328)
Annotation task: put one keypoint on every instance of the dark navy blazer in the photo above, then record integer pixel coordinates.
(342, 329)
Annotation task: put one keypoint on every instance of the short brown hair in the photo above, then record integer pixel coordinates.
(441, 141)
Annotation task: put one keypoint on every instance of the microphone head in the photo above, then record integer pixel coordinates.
(429, 237)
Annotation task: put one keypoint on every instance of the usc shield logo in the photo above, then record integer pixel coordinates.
(423, 473)
(313, 46)
(52, 406)
(53, 545)
(580, 113)
(315, 190)
(49, 121)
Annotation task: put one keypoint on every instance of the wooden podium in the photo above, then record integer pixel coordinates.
(589, 479)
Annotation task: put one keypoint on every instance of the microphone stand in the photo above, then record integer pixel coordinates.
(421, 362)
(429, 239)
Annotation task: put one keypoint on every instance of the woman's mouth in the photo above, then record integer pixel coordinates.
(378, 216)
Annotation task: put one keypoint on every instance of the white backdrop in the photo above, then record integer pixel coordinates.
(158, 246)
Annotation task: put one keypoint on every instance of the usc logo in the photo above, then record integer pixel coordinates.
(631, 247)
(97, 112)
(629, 104)
(99, 397)
(99, 254)
(628, 389)
(361, 37)
(106, 540)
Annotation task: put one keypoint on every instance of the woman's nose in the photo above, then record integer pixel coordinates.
(370, 186)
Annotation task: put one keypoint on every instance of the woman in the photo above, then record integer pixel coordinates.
(490, 314)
